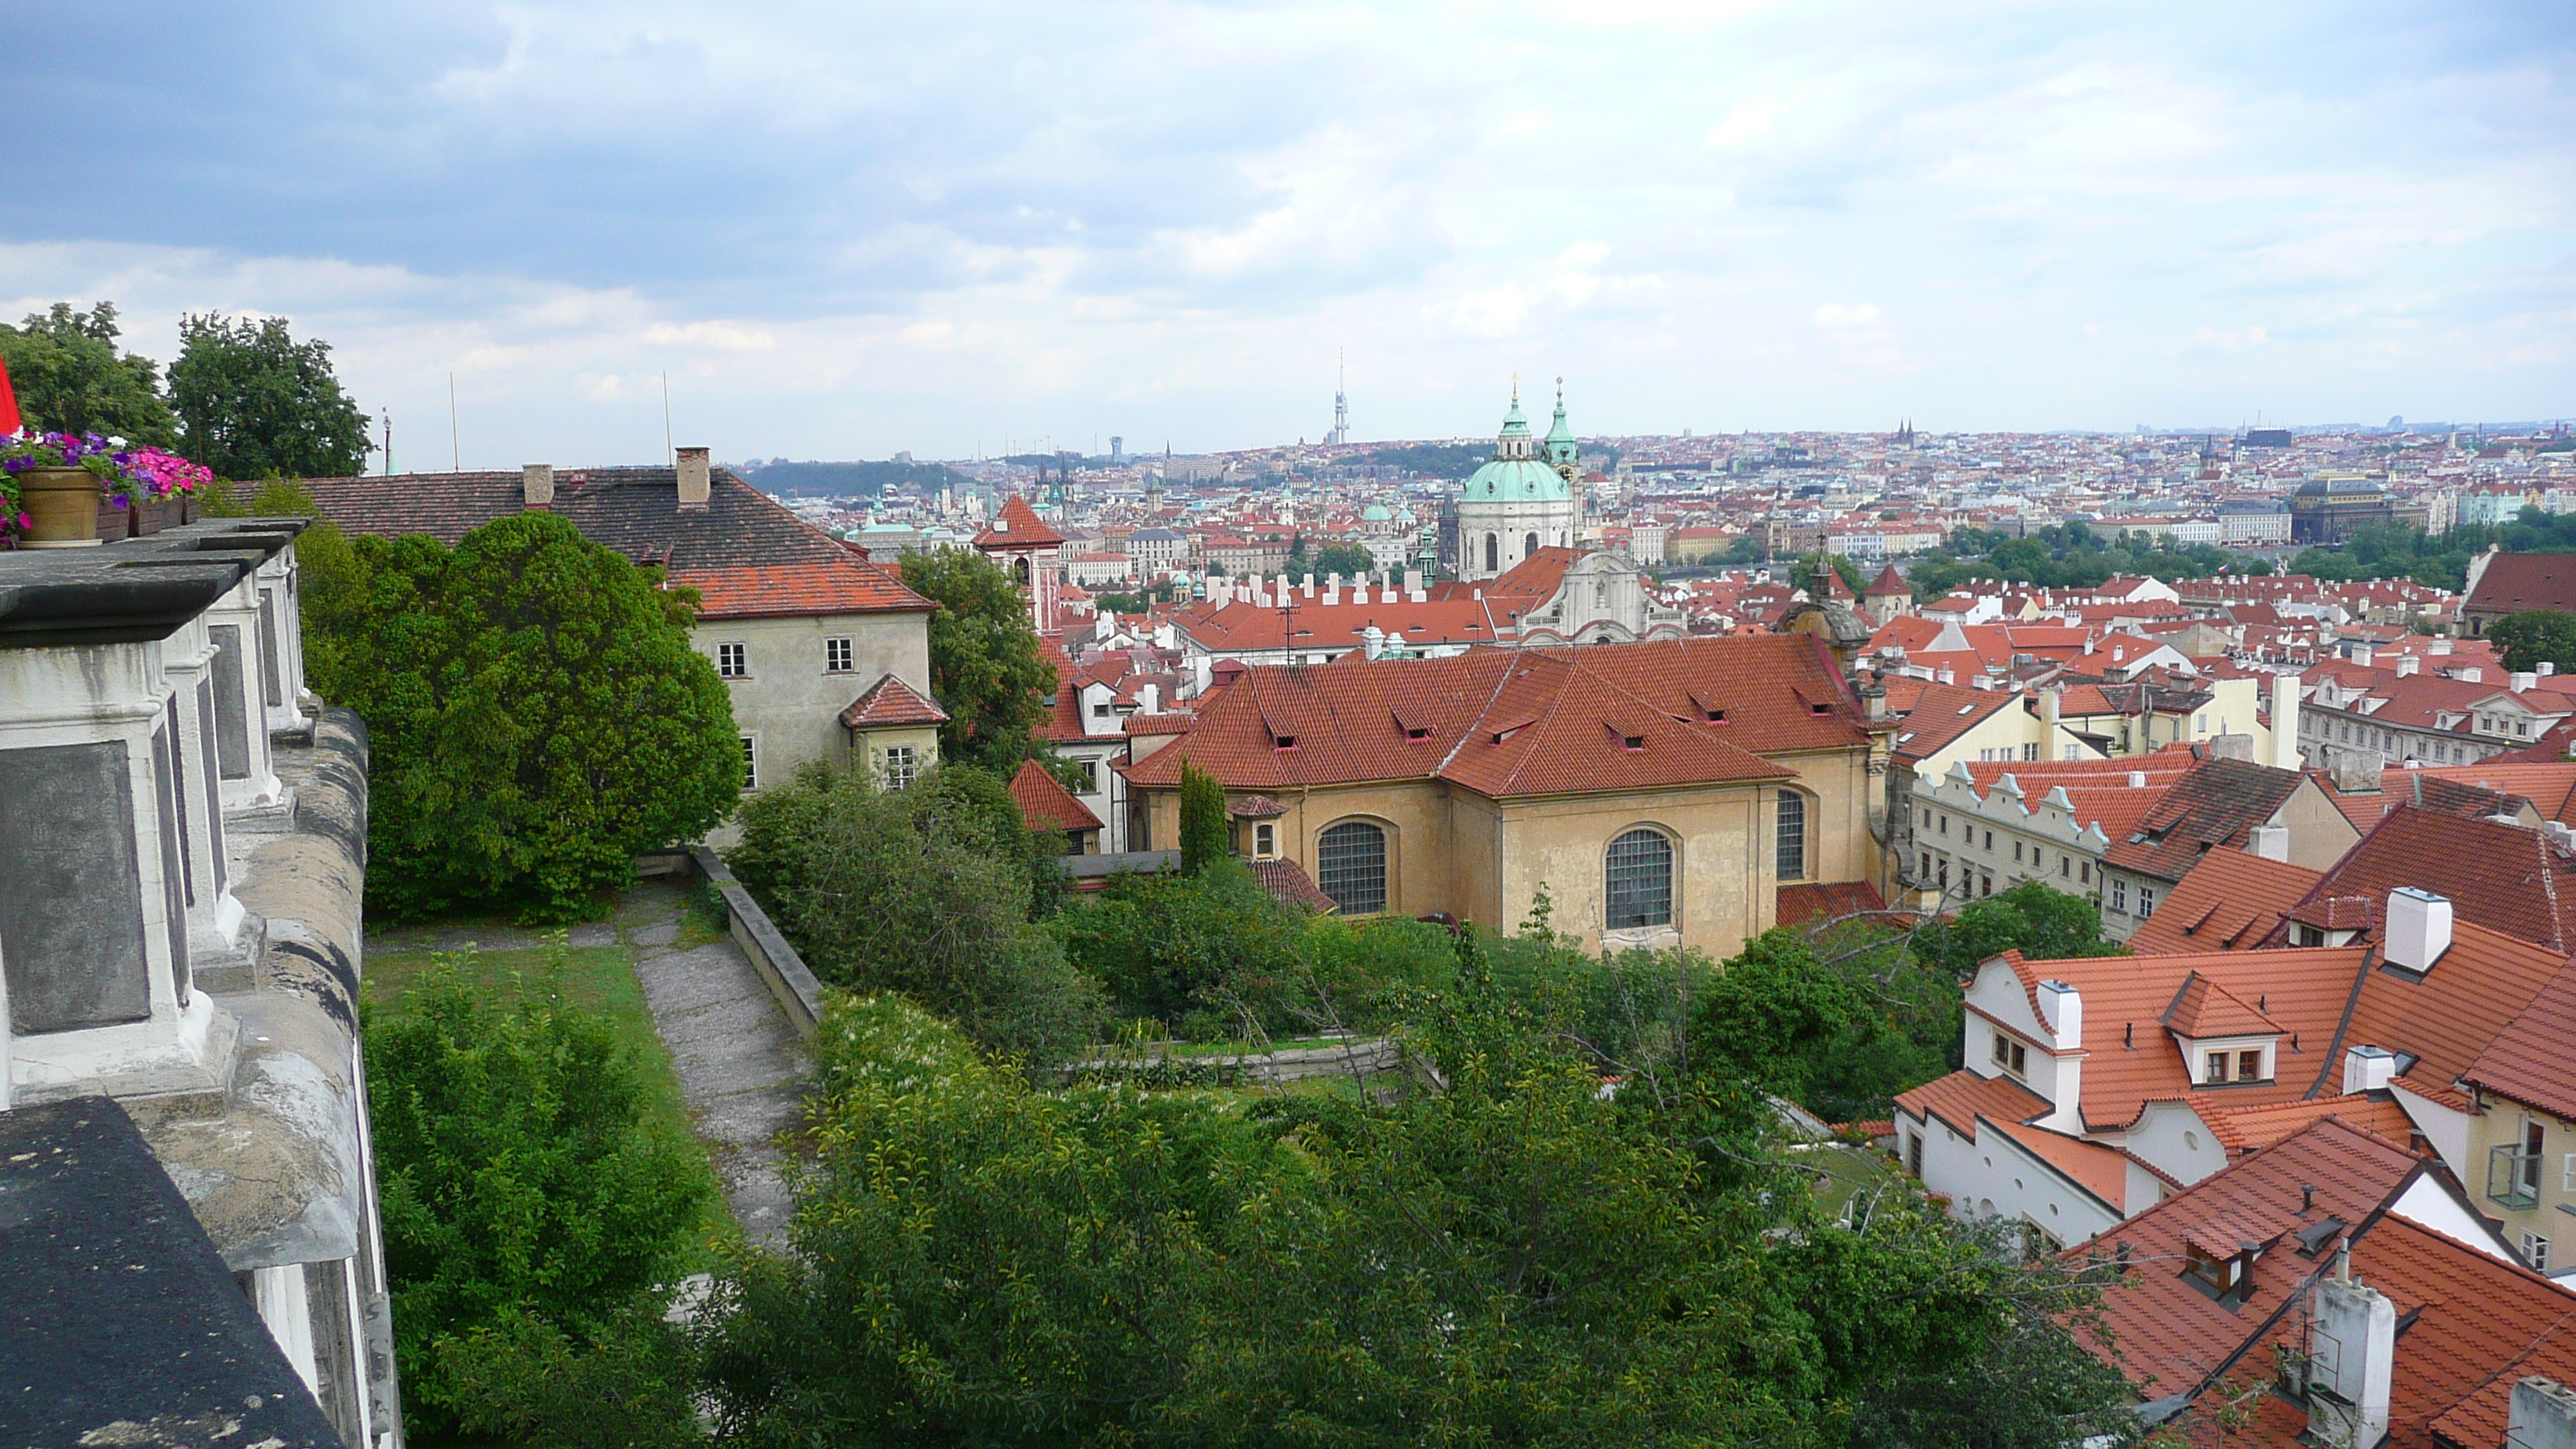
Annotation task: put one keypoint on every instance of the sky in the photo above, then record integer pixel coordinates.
(846, 230)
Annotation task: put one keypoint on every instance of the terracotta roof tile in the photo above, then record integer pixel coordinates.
(2251, 1129)
(2210, 808)
(2229, 902)
(1799, 904)
(2204, 1009)
(747, 556)
(1963, 1096)
(1288, 883)
(2500, 876)
(890, 702)
(1943, 712)
(1017, 526)
(2533, 1060)
(2516, 582)
(2099, 1170)
(2448, 1017)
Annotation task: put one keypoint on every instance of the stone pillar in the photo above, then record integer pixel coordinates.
(242, 672)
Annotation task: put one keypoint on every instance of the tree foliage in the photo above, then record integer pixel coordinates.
(1203, 821)
(1808, 573)
(70, 378)
(986, 668)
(534, 1220)
(2530, 639)
(536, 716)
(1516, 1258)
(252, 401)
(2034, 918)
(924, 891)
(2068, 556)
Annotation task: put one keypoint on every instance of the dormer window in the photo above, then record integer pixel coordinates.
(2011, 1055)
(2234, 1064)
(1283, 742)
(1417, 732)
(1633, 742)
(1714, 716)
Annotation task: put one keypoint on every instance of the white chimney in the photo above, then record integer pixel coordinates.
(2137, 779)
(2544, 669)
(2285, 721)
(2361, 655)
(694, 483)
(2470, 674)
(1307, 586)
(1413, 585)
(1947, 677)
(2408, 664)
(2523, 680)
(2368, 1069)
(2062, 1007)
(2541, 1415)
(1372, 641)
(2419, 928)
(2272, 842)
(1149, 699)
(1333, 589)
(537, 485)
(2354, 1360)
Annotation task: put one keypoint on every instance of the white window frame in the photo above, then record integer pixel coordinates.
(840, 655)
(750, 761)
(2535, 1251)
(899, 775)
(733, 660)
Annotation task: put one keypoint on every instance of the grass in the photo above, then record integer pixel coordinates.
(599, 980)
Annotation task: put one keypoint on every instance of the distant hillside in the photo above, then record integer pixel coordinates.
(852, 480)
(1437, 460)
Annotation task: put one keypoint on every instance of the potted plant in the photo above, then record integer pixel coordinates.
(63, 484)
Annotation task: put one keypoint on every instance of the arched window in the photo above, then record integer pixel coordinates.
(1350, 867)
(1529, 545)
(1493, 553)
(1639, 876)
(1791, 836)
(1020, 572)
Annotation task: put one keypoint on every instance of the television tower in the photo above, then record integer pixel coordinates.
(1341, 400)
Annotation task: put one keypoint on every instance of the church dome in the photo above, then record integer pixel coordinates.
(1517, 474)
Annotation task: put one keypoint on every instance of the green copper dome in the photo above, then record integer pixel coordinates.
(1519, 471)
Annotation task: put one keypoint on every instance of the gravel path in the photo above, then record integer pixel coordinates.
(740, 1064)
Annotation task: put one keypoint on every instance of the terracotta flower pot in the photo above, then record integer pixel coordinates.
(62, 506)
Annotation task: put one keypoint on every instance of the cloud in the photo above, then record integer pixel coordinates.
(852, 231)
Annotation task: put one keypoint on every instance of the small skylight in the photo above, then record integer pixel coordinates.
(1634, 742)
(1285, 742)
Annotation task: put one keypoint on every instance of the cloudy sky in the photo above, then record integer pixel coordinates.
(844, 230)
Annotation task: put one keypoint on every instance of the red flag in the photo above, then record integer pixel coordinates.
(9, 420)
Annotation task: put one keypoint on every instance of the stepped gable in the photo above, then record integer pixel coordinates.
(746, 555)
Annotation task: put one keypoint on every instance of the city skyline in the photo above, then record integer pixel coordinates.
(844, 238)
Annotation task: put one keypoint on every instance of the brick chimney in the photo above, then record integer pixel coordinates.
(694, 483)
(537, 484)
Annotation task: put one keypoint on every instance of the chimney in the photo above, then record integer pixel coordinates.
(2524, 680)
(2542, 1415)
(2362, 655)
(1372, 641)
(2353, 1361)
(2408, 664)
(2272, 842)
(2137, 779)
(2470, 674)
(2286, 721)
(1333, 589)
(2048, 721)
(1308, 586)
(1413, 585)
(2368, 1069)
(1947, 677)
(2062, 1007)
(2356, 773)
(2419, 928)
(694, 483)
(537, 485)
(2544, 668)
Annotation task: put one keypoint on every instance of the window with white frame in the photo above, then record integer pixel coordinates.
(2119, 895)
(902, 764)
(839, 656)
(2146, 903)
(750, 763)
(2567, 1173)
(2011, 1055)
(1265, 840)
(733, 661)
(2535, 1252)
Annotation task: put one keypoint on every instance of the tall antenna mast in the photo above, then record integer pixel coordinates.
(670, 455)
(1341, 397)
(455, 449)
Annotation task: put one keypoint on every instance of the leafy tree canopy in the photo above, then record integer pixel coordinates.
(1807, 572)
(2537, 636)
(534, 1219)
(1347, 559)
(252, 401)
(2042, 923)
(1434, 460)
(986, 668)
(1203, 820)
(70, 378)
(536, 716)
(854, 480)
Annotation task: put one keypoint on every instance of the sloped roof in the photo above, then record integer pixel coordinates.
(890, 702)
(1289, 884)
(1963, 1096)
(1522, 722)
(1813, 901)
(1045, 804)
(2251, 1129)
(2211, 807)
(2516, 582)
(2499, 876)
(2230, 901)
(2425, 790)
(747, 556)
(1017, 526)
(2204, 1009)
(2533, 1060)
(1889, 582)
(1943, 712)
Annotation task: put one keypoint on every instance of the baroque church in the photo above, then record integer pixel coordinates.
(1523, 500)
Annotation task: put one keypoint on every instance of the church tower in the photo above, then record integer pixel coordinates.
(1521, 501)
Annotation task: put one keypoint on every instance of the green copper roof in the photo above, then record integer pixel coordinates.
(1514, 425)
(1526, 480)
(1560, 433)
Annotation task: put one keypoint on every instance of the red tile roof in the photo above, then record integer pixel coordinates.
(1943, 712)
(2514, 583)
(2230, 901)
(1799, 904)
(890, 702)
(2500, 876)
(1523, 722)
(2251, 1129)
(1288, 883)
(1017, 526)
(2210, 808)
(2533, 1060)
(2099, 1170)
(1963, 1096)
(747, 556)
(2203, 1009)
(1045, 804)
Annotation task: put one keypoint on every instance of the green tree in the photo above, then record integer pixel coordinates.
(2530, 639)
(253, 401)
(986, 666)
(1203, 822)
(537, 717)
(1780, 1017)
(1163, 944)
(534, 1219)
(912, 891)
(1806, 573)
(2039, 921)
(1349, 560)
(69, 377)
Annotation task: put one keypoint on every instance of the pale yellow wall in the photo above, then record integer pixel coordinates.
(791, 704)
(1839, 790)
(2502, 1121)
(1723, 889)
(874, 743)
(2320, 834)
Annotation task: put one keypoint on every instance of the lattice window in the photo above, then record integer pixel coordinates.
(1350, 867)
(1639, 874)
(1791, 836)
(838, 656)
(733, 661)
